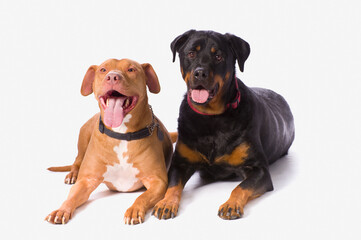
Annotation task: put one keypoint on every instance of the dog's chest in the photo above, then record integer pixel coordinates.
(122, 176)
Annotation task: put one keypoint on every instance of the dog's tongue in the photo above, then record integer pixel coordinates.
(113, 114)
(199, 96)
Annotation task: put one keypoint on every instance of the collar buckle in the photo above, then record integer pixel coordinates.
(151, 128)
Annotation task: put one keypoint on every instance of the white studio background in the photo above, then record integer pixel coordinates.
(308, 51)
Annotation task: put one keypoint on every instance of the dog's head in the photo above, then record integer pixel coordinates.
(207, 61)
(118, 86)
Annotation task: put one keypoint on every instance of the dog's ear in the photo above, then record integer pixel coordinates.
(179, 41)
(240, 49)
(152, 79)
(87, 85)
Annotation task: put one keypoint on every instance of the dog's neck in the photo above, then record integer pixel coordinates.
(235, 98)
(129, 136)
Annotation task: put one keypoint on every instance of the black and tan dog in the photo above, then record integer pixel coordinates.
(226, 129)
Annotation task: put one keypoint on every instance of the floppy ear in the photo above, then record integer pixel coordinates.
(240, 49)
(152, 79)
(87, 85)
(179, 41)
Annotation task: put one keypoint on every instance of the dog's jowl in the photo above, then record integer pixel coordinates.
(226, 129)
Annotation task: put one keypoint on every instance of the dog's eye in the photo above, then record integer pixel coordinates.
(103, 70)
(191, 54)
(218, 58)
(131, 70)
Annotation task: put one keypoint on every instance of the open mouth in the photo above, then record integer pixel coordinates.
(201, 95)
(116, 106)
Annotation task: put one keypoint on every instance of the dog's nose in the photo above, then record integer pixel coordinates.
(200, 73)
(113, 77)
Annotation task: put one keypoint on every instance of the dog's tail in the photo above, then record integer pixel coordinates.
(60, 169)
(173, 136)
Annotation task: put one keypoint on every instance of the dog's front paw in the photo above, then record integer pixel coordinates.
(134, 215)
(230, 210)
(71, 177)
(166, 209)
(58, 217)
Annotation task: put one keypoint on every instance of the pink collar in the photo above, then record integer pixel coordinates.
(233, 104)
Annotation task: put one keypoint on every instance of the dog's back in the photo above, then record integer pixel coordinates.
(277, 127)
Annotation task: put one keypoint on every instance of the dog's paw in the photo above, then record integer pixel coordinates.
(134, 215)
(166, 209)
(71, 177)
(58, 217)
(230, 210)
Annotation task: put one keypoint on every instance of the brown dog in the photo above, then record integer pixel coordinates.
(125, 145)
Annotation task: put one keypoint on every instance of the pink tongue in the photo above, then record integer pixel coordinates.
(199, 96)
(113, 114)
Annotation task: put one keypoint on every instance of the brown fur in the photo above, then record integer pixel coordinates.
(170, 202)
(150, 156)
(233, 208)
(237, 157)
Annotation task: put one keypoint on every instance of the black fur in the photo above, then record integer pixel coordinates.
(262, 119)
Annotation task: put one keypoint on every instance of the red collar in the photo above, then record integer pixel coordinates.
(233, 104)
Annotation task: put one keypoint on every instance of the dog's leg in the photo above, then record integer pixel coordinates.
(257, 182)
(83, 141)
(178, 176)
(156, 188)
(78, 195)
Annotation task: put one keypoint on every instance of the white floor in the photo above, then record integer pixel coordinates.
(309, 51)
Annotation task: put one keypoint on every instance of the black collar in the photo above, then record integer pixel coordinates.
(143, 133)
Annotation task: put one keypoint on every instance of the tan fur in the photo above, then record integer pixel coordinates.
(234, 206)
(190, 154)
(173, 136)
(237, 157)
(171, 202)
(150, 156)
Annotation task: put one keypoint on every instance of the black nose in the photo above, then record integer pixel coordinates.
(200, 73)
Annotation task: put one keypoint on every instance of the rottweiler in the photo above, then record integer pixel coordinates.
(226, 129)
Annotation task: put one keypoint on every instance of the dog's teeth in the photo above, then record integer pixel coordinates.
(107, 102)
(126, 104)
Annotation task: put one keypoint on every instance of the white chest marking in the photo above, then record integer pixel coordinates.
(122, 175)
(122, 128)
